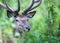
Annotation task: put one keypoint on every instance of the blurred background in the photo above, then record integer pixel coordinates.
(44, 25)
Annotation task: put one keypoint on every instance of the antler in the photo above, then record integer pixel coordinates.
(8, 8)
(37, 1)
(18, 6)
(31, 6)
(4, 6)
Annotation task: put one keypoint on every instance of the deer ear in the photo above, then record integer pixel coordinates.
(31, 14)
(9, 14)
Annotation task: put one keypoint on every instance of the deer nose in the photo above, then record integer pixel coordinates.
(28, 28)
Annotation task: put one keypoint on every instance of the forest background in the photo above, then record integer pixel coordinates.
(44, 25)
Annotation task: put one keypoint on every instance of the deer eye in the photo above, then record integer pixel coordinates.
(16, 20)
(27, 19)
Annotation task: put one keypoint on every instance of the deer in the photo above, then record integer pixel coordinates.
(21, 20)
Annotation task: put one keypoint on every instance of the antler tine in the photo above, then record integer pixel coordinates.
(29, 7)
(18, 6)
(4, 6)
(9, 9)
(39, 2)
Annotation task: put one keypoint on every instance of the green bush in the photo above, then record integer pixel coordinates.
(44, 25)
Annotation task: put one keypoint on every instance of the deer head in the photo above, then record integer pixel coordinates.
(21, 20)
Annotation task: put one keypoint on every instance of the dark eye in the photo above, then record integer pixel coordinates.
(16, 20)
(27, 19)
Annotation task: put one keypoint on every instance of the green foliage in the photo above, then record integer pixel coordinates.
(44, 25)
